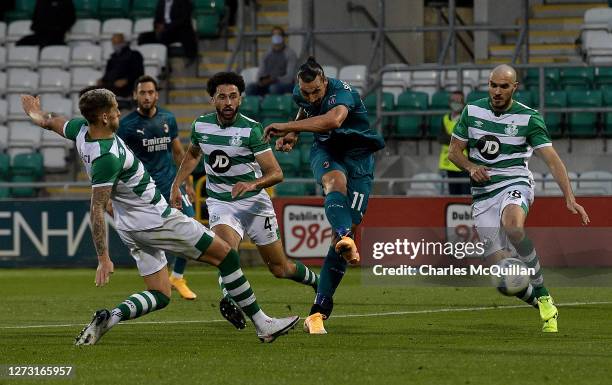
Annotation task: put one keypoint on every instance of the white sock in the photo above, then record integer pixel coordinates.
(177, 275)
(259, 318)
(115, 317)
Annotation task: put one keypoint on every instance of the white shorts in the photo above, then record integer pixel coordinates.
(178, 235)
(487, 215)
(262, 227)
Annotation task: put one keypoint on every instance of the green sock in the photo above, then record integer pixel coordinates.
(528, 295)
(237, 285)
(304, 275)
(528, 255)
(222, 287)
(139, 304)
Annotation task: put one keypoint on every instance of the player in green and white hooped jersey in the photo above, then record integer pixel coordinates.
(500, 135)
(143, 219)
(239, 166)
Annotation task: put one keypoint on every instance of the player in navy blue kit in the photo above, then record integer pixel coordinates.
(342, 161)
(152, 134)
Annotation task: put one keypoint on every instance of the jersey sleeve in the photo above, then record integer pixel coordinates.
(195, 136)
(173, 127)
(73, 126)
(256, 142)
(105, 170)
(537, 133)
(461, 128)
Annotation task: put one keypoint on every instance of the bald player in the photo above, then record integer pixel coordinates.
(500, 135)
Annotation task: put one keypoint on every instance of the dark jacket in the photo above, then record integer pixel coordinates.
(53, 16)
(125, 64)
(180, 14)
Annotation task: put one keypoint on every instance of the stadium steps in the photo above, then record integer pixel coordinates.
(563, 10)
(271, 18)
(535, 49)
(544, 37)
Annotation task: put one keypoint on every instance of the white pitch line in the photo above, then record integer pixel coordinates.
(392, 313)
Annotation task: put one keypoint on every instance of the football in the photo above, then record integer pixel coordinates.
(510, 276)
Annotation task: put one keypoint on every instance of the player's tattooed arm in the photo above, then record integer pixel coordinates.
(99, 199)
(47, 120)
(456, 155)
(189, 163)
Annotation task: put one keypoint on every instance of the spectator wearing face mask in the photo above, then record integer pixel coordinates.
(277, 68)
(123, 68)
(448, 169)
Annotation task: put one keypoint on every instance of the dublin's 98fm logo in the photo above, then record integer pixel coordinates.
(219, 161)
(488, 146)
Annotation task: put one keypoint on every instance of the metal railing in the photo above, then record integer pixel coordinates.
(378, 46)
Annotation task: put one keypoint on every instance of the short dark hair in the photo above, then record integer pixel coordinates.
(225, 78)
(279, 28)
(145, 79)
(310, 70)
(94, 102)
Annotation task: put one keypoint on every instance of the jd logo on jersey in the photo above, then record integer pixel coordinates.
(219, 161)
(488, 146)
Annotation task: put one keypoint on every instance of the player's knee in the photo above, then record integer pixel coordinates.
(515, 232)
(334, 181)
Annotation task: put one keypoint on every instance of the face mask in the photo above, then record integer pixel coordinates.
(277, 39)
(118, 47)
(456, 106)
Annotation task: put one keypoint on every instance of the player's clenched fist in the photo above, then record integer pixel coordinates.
(479, 174)
(176, 199)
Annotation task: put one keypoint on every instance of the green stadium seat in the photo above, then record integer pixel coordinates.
(86, 8)
(439, 101)
(5, 166)
(583, 124)
(576, 78)
(290, 162)
(524, 97)
(531, 80)
(277, 106)
(26, 168)
(476, 94)
(143, 8)
(205, 6)
(603, 78)
(250, 106)
(410, 126)
(291, 189)
(110, 9)
(607, 101)
(207, 24)
(24, 9)
(4, 192)
(305, 169)
(370, 105)
(554, 120)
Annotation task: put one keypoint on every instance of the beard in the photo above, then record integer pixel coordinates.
(227, 114)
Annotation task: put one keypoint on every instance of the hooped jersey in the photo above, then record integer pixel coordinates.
(137, 202)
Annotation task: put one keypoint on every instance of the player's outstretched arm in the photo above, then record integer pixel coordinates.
(559, 172)
(46, 120)
(456, 155)
(189, 163)
(99, 199)
(321, 124)
(287, 143)
(271, 172)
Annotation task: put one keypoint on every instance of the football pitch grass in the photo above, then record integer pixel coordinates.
(384, 335)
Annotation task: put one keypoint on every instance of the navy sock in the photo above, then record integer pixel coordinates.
(329, 278)
(179, 265)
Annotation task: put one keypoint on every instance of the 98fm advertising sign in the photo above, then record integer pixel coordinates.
(306, 231)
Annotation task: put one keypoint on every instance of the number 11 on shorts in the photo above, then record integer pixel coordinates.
(357, 197)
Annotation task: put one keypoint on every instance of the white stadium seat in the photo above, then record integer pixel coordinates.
(552, 188)
(4, 135)
(17, 30)
(22, 80)
(85, 30)
(450, 80)
(603, 187)
(86, 55)
(396, 82)
(3, 111)
(425, 81)
(153, 54)
(355, 75)
(57, 104)
(425, 188)
(250, 74)
(112, 26)
(22, 57)
(55, 56)
(23, 137)
(82, 77)
(2, 32)
(15, 111)
(330, 71)
(2, 57)
(54, 157)
(3, 81)
(539, 186)
(143, 25)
